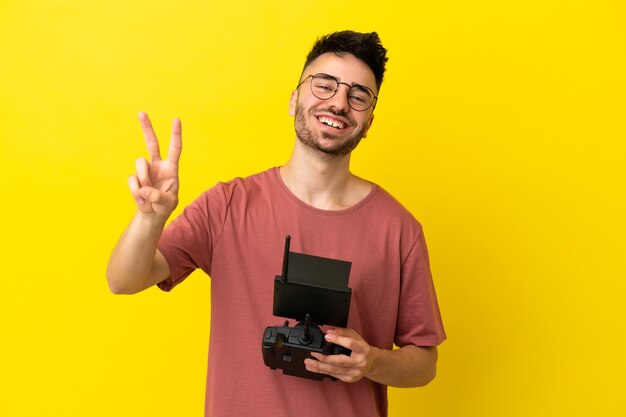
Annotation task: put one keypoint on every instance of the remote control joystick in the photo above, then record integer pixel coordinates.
(305, 337)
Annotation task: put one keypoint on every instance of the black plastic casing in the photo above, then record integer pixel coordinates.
(328, 306)
(283, 349)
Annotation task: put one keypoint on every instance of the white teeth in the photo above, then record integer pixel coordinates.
(331, 122)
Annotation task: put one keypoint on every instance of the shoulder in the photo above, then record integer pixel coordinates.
(259, 180)
(241, 185)
(385, 203)
(239, 194)
(393, 221)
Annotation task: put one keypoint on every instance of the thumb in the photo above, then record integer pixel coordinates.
(150, 194)
(156, 197)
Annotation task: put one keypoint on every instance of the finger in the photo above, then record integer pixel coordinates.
(151, 140)
(143, 172)
(314, 366)
(151, 195)
(169, 185)
(135, 187)
(318, 367)
(323, 368)
(176, 142)
(341, 331)
(335, 360)
(156, 197)
(133, 184)
(348, 341)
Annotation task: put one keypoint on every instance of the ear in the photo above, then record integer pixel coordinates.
(369, 124)
(293, 102)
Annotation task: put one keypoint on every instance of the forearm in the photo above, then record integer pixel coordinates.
(132, 265)
(409, 366)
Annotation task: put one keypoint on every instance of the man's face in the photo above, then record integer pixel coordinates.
(332, 126)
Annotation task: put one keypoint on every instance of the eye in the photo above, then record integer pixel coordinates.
(359, 95)
(358, 99)
(327, 85)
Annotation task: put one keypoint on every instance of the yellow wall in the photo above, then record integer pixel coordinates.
(500, 126)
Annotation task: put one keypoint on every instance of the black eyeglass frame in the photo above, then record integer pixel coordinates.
(311, 76)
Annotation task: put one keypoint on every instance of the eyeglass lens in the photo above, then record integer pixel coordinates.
(325, 86)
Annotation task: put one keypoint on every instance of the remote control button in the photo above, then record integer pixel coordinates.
(268, 333)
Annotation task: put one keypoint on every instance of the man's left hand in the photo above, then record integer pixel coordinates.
(345, 368)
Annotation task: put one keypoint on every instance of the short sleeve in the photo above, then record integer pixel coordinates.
(419, 319)
(187, 242)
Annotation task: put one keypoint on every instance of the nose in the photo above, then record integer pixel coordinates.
(339, 100)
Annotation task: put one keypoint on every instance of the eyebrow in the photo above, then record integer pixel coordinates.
(361, 86)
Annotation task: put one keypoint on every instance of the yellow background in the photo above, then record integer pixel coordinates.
(500, 126)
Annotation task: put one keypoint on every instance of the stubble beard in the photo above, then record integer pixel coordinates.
(306, 136)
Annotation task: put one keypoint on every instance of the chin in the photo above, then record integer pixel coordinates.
(338, 150)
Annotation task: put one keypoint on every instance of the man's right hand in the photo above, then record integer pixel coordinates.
(136, 263)
(155, 184)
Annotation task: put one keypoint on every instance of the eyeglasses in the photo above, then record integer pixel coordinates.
(324, 86)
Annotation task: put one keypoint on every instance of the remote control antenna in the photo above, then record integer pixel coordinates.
(286, 257)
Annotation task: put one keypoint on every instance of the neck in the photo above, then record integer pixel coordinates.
(323, 181)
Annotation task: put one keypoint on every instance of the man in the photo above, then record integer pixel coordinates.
(235, 232)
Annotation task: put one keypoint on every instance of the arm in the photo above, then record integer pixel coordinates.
(409, 366)
(135, 263)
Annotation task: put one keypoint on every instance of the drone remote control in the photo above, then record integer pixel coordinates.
(287, 347)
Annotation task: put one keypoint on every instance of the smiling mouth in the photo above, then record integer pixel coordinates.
(331, 122)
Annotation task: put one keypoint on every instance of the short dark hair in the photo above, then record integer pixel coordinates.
(365, 46)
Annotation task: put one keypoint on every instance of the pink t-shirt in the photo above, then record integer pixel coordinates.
(235, 232)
